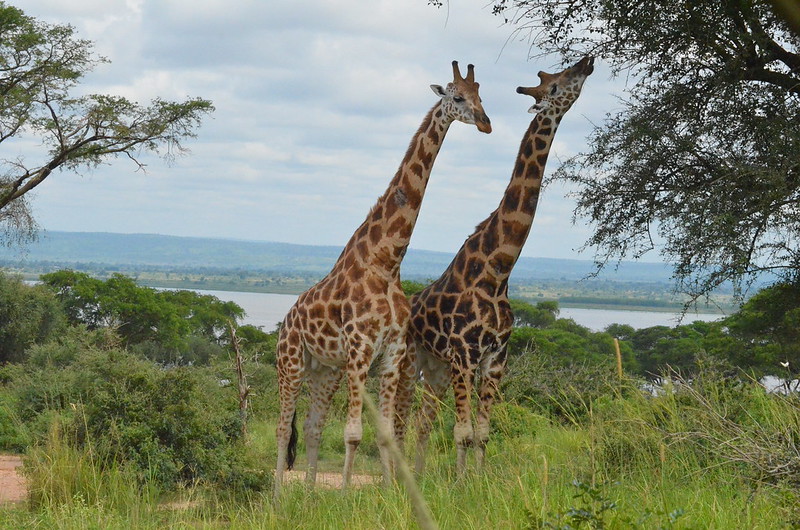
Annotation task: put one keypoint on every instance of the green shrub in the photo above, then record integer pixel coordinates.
(715, 421)
(177, 424)
(263, 381)
(12, 436)
(172, 426)
(258, 344)
(141, 314)
(511, 420)
(563, 392)
(28, 315)
(63, 350)
(195, 350)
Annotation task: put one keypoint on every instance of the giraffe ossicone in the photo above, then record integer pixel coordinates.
(460, 324)
(359, 310)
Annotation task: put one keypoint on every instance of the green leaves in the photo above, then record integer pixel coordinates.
(701, 164)
(141, 314)
(28, 315)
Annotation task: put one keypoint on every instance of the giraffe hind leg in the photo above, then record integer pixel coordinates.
(463, 432)
(394, 360)
(409, 372)
(290, 365)
(492, 371)
(357, 369)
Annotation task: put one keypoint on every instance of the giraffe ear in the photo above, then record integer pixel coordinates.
(438, 90)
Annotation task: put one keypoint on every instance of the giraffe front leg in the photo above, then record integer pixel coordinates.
(394, 357)
(492, 369)
(436, 379)
(357, 368)
(462, 390)
(323, 381)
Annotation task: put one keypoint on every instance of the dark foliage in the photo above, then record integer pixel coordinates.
(28, 315)
(702, 163)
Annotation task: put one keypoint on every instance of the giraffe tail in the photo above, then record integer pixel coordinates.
(291, 452)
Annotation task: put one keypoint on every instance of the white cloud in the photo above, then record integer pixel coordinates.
(316, 104)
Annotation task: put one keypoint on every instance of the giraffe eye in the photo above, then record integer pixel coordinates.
(554, 90)
(458, 99)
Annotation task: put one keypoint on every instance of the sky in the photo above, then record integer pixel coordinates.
(316, 103)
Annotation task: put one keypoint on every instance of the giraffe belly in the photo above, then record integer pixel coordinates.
(476, 325)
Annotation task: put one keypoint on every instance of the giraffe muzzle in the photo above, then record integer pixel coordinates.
(483, 124)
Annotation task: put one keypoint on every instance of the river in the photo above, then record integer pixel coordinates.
(268, 309)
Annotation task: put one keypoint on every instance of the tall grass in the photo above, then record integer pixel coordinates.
(632, 460)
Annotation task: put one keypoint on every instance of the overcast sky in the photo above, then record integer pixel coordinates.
(316, 102)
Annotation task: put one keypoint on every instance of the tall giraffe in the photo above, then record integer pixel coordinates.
(460, 324)
(359, 310)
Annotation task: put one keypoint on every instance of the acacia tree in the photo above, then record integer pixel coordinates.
(702, 164)
(40, 64)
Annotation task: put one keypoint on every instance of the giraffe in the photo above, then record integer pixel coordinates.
(359, 310)
(460, 324)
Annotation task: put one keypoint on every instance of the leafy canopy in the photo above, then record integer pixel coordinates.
(141, 314)
(40, 65)
(702, 163)
(28, 315)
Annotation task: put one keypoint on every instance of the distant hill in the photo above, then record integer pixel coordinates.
(181, 252)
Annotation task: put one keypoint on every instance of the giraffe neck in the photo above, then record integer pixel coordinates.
(489, 254)
(518, 206)
(382, 239)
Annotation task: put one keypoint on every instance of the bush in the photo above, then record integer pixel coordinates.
(258, 344)
(715, 421)
(12, 437)
(141, 314)
(263, 381)
(195, 351)
(175, 424)
(172, 426)
(511, 420)
(563, 392)
(28, 315)
(63, 350)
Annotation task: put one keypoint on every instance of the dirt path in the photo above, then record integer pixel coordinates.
(333, 480)
(13, 487)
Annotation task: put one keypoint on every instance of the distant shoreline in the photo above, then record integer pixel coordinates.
(602, 306)
(284, 268)
(293, 288)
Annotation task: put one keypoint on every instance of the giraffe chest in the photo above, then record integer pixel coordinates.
(338, 324)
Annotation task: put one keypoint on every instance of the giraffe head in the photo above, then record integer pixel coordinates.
(557, 92)
(460, 99)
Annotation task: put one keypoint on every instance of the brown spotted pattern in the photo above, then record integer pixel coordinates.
(460, 324)
(359, 310)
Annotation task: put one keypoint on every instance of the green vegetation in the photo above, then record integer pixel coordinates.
(700, 161)
(27, 316)
(116, 436)
(140, 314)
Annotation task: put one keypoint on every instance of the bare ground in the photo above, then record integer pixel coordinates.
(333, 480)
(13, 487)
